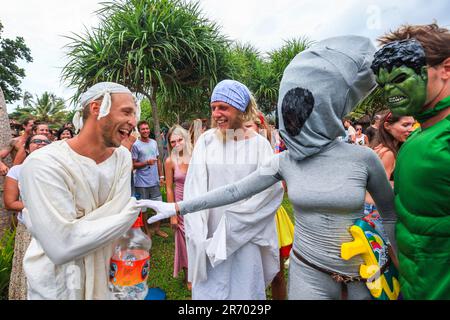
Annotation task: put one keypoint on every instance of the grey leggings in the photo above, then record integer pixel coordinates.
(307, 283)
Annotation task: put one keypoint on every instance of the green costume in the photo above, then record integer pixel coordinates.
(422, 174)
(422, 202)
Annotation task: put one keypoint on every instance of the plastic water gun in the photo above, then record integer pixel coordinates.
(382, 282)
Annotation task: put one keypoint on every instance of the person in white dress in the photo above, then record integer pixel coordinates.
(77, 198)
(232, 250)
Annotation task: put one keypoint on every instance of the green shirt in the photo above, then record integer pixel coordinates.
(422, 201)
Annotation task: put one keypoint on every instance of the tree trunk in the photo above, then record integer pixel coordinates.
(152, 98)
(5, 137)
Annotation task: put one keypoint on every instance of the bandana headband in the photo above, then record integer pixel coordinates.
(102, 89)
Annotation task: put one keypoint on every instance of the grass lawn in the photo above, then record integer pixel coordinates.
(161, 263)
(161, 267)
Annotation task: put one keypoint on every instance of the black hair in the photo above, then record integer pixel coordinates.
(61, 130)
(407, 52)
(140, 123)
(28, 142)
(26, 120)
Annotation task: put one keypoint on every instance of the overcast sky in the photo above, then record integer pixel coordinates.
(263, 23)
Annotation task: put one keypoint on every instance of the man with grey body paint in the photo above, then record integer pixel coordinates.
(326, 178)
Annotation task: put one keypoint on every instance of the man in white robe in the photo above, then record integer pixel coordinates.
(232, 250)
(77, 197)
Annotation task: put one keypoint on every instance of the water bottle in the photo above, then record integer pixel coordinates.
(130, 264)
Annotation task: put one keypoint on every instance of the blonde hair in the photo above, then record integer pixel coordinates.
(195, 130)
(187, 149)
(261, 122)
(252, 110)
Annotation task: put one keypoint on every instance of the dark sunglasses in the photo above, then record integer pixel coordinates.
(39, 141)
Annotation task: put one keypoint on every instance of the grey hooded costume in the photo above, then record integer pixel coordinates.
(326, 179)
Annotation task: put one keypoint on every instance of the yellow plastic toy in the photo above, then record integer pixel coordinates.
(368, 243)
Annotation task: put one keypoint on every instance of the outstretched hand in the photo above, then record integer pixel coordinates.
(163, 210)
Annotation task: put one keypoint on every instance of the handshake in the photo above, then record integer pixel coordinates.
(163, 210)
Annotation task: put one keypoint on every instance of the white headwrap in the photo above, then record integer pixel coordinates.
(101, 89)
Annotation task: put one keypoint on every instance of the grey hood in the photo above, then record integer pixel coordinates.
(319, 87)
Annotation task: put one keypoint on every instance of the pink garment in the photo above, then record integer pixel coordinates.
(180, 260)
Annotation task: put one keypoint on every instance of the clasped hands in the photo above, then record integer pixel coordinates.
(163, 210)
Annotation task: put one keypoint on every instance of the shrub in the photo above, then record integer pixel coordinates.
(6, 257)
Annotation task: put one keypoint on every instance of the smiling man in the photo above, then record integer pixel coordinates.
(148, 176)
(232, 250)
(77, 198)
(413, 68)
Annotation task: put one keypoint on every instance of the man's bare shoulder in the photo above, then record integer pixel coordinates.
(12, 143)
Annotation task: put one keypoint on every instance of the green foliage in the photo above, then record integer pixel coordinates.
(247, 66)
(263, 75)
(20, 113)
(288, 207)
(6, 257)
(280, 58)
(165, 50)
(10, 74)
(192, 104)
(245, 62)
(46, 108)
(146, 112)
(170, 53)
(151, 46)
(370, 106)
(270, 78)
(69, 115)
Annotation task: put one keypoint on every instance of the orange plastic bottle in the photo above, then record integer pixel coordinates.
(130, 264)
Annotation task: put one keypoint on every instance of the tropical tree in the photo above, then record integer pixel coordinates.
(154, 47)
(245, 64)
(20, 113)
(373, 104)
(10, 74)
(278, 60)
(45, 108)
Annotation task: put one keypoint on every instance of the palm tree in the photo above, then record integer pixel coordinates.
(27, 98)
(245, 61)
(49, 108)
(373, 104)
(45, 108)
(154, 47)
(278, 60)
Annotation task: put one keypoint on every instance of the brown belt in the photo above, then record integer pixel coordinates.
(336, 276)
(343, 279)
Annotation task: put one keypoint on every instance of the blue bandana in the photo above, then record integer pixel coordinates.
(232, 92)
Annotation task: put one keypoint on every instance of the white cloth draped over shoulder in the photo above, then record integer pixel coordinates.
(75, 209)
(248, 221)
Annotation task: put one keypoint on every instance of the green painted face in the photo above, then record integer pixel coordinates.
(405, 91)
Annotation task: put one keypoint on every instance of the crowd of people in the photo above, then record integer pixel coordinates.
(225, 180)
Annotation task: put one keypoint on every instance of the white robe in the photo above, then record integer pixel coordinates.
(75, 209)
(240, 239)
